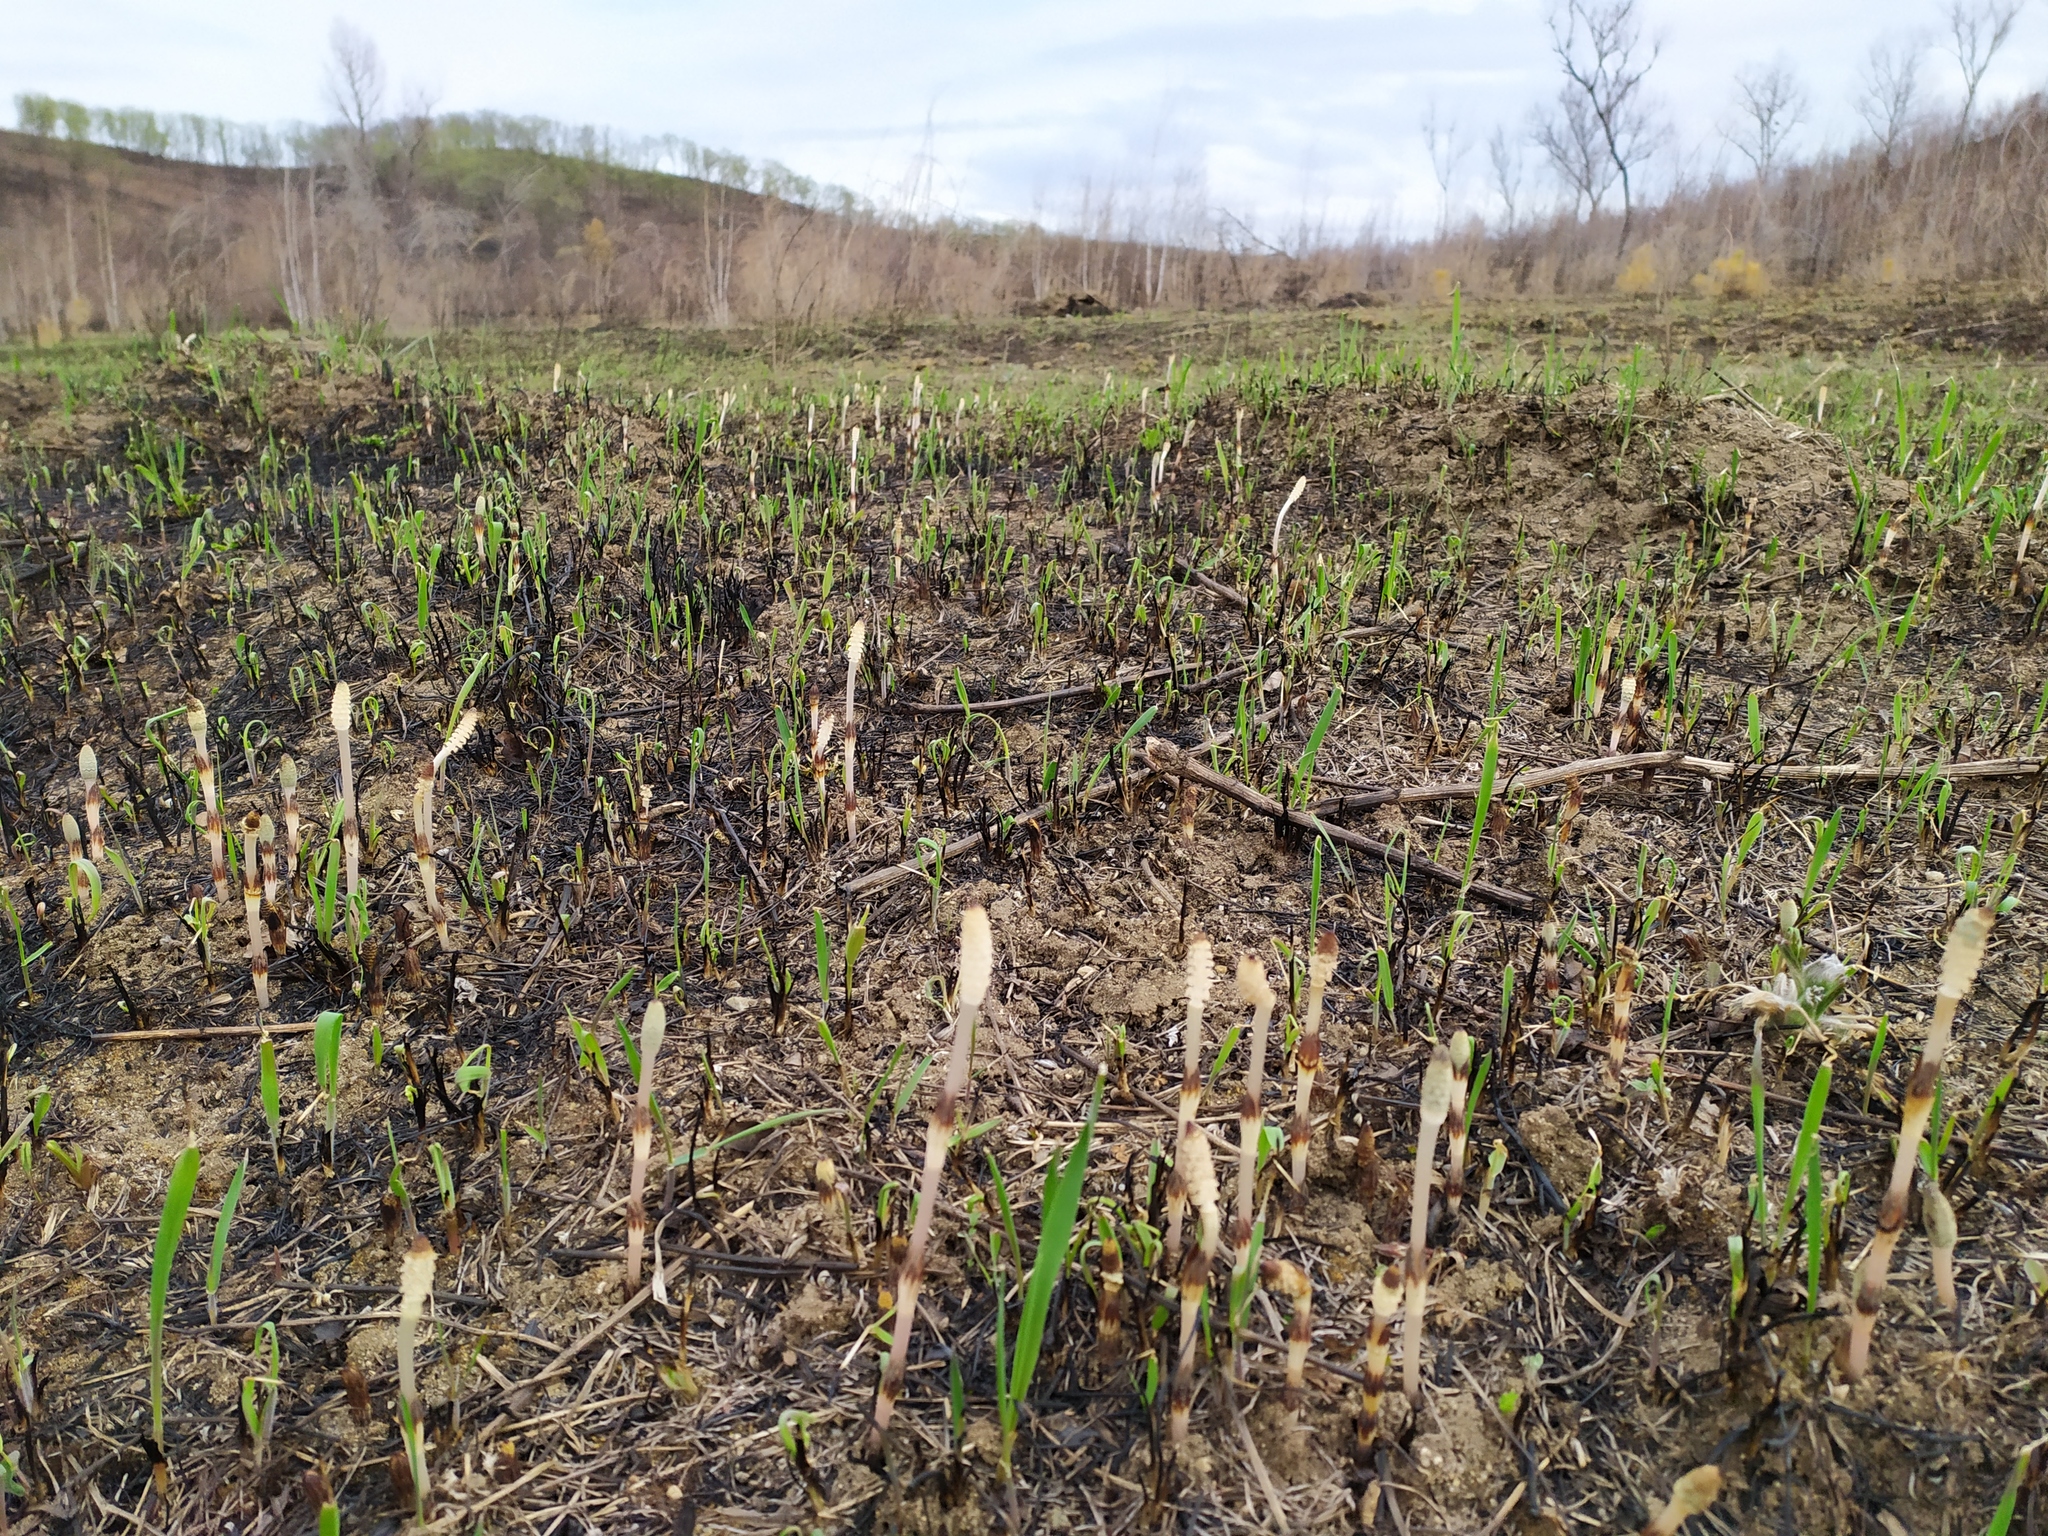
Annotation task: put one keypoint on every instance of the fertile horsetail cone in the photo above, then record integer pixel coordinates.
(977, 958)
(1960, 961)
(457, 739)
(415, 1281)
(856, 646)
(1436, 1107)
(977, 961)
(338, 713)
(1693, 1494)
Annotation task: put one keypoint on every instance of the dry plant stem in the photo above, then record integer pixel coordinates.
(252, 909)
(1693, 1494)
(423, 848)
(1959, 963)
(415, 1280)
(652, 1027)
(1168, 758)
(1308, 1058)
(1436, 1106)
(1455, 1127)
(288, 801)
(1201, 976)
(1255, 993)
(1290, 1281)
(1379, 1351)
(977, 963)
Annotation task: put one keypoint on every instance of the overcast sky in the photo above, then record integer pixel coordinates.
(1286, 110)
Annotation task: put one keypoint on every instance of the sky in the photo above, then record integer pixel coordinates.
(1285, 115)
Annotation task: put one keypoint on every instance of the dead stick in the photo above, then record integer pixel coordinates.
(1707, 767)
(219, 1033)
(1168, 758)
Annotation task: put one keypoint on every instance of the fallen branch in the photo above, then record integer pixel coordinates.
(1165, 757)
(1705, 767)
(219, 1032)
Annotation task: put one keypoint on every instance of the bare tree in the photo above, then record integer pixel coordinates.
(355, 78)
(1570, 138)
(1445, 151)
(1769, 104)
(1891, 84)
(1600, 47)
(1977, 30)
(1505, 155)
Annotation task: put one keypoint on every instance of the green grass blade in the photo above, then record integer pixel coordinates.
(177, 1202)
(228, 1202)
(1056, 1228)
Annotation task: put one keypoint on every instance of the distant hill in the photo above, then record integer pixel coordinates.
(119, 219)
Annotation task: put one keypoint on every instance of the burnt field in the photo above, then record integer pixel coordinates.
(484, 822)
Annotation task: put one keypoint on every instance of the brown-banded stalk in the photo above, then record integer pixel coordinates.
(1621, 996)
(1365, 1166)
(415, 1283)
(415, 1280)
(1940, 1219)
(1308, 1058)
(856, 642)
(977, 963)
(1455, 1128)
(1436, 1107)
(351, 829)
(1192, 1184)
(252, 908)
(1693, 1494)
(1547, 980)
(75, 880)
(273, 914)
(652, 1027)
(1292, 1282)
(821, 765)
(216, 828)
(1574, 798)
(1201, 976)
(1109, 1304)
(423, 848)
(288, 799)
(1197, 1168)
(833, 1204)
(1256, 993)
(1959, 963)
(1379, 1351)
(95, 834)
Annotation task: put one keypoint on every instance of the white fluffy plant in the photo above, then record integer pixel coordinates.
(1802, 993)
